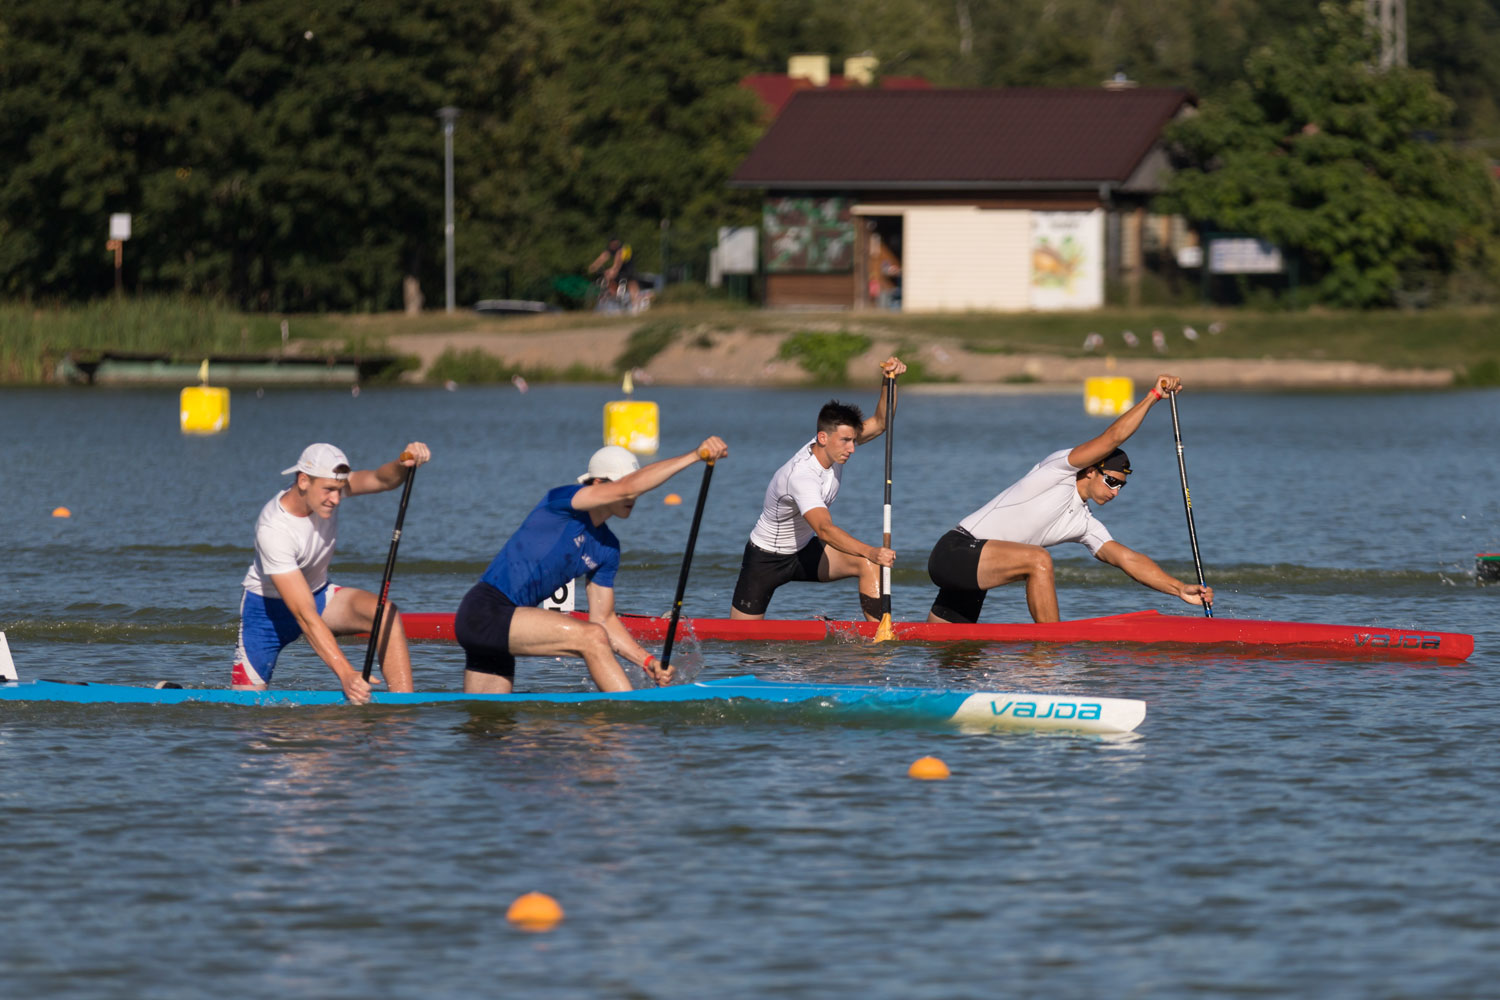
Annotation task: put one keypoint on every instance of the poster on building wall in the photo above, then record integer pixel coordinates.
(1067, 260)
(809, 234)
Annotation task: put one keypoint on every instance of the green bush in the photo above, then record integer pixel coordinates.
(476, 367)
(1484, 373)
(825, 356)
(648, 340)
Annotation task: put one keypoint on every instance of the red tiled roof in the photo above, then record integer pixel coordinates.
(775, 89)
(960, 139)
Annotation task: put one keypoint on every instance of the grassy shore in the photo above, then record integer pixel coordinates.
(32, 338)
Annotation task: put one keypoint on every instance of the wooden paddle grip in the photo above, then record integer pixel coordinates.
(406, 456)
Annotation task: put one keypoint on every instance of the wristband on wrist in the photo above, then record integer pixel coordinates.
(1157, 393)
(649, 660)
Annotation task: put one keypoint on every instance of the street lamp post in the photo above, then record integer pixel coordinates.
(449, 115)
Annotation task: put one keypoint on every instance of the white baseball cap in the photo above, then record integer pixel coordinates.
(610, 462)
(321, 461)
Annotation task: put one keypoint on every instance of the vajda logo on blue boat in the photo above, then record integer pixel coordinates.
(1054, 710)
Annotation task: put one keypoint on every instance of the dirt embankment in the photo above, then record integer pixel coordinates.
(742, 357)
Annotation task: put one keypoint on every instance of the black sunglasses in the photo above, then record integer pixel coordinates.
(1111, 481)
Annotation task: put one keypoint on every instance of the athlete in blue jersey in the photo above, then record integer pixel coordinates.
(564, 537)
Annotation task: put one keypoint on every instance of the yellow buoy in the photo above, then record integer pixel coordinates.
(634, 425)
(1108, 396)
(928, 769)
(205, 409)
(671, 499)
(535, 911)
(61, 512)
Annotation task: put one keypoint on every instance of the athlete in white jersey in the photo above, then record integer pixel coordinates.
(1007, 539)
(287, 593)
(795, 537)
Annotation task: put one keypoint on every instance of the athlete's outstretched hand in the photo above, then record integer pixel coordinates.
(712, 449)
(1168, 384)
(1195, 594)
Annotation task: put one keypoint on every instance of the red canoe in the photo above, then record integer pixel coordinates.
(1140, 628)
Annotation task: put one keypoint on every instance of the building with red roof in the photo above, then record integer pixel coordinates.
(941, 200)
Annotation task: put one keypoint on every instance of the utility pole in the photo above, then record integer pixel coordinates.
(1387, 18)
(449, 115)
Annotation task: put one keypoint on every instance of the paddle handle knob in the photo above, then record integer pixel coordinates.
(706, 455)
(406, 456)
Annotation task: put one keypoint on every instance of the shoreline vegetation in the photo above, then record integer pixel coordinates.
(710, 343)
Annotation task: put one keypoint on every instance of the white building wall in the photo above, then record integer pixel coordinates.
(959, 258)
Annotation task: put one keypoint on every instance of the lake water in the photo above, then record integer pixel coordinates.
(1277, 827)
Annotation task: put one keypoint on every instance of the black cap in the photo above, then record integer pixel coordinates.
(1116, 461)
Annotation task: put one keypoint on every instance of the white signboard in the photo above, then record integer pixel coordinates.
(1067, 260)
(119, 226)
(739, 249)
(1244, 255)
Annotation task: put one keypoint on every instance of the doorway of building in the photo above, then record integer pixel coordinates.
(883, 271)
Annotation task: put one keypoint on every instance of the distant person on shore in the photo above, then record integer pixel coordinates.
(618, 262)
(1007, 539)
(564, 537)
(795, 538)
(287, 593)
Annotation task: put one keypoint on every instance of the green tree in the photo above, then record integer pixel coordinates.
(288, 157)
(1319, 152)
(274, 154)
(1459, 42)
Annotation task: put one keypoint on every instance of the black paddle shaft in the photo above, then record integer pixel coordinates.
(390, 568)
(687, 562)
(1187, 503)
(890, 428)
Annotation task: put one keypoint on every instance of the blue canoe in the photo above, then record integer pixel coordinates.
(964, 709)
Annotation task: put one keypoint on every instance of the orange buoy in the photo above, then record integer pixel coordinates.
(671, 499)
(535, 911)
(62, 512)
(928, 769)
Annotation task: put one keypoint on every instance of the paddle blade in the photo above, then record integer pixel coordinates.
(883, 631)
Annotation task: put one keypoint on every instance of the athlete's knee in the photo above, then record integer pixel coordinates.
(593, 638)
(1038, 562)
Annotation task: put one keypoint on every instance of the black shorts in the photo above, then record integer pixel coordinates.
(954, 567)
(761, 572)
(482, 628)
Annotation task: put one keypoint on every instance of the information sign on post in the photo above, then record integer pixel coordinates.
(1244, 255)
(119, 232)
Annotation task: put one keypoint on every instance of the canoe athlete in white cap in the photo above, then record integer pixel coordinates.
(287, 593)
(564, 537)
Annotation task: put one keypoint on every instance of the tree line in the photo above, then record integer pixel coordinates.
(281, 156)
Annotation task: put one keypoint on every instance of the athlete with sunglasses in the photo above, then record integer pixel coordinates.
(1007, 539)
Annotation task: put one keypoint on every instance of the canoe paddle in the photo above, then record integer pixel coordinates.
(390, 567)
(687, 560)
(883, 631)
(1187, 503)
